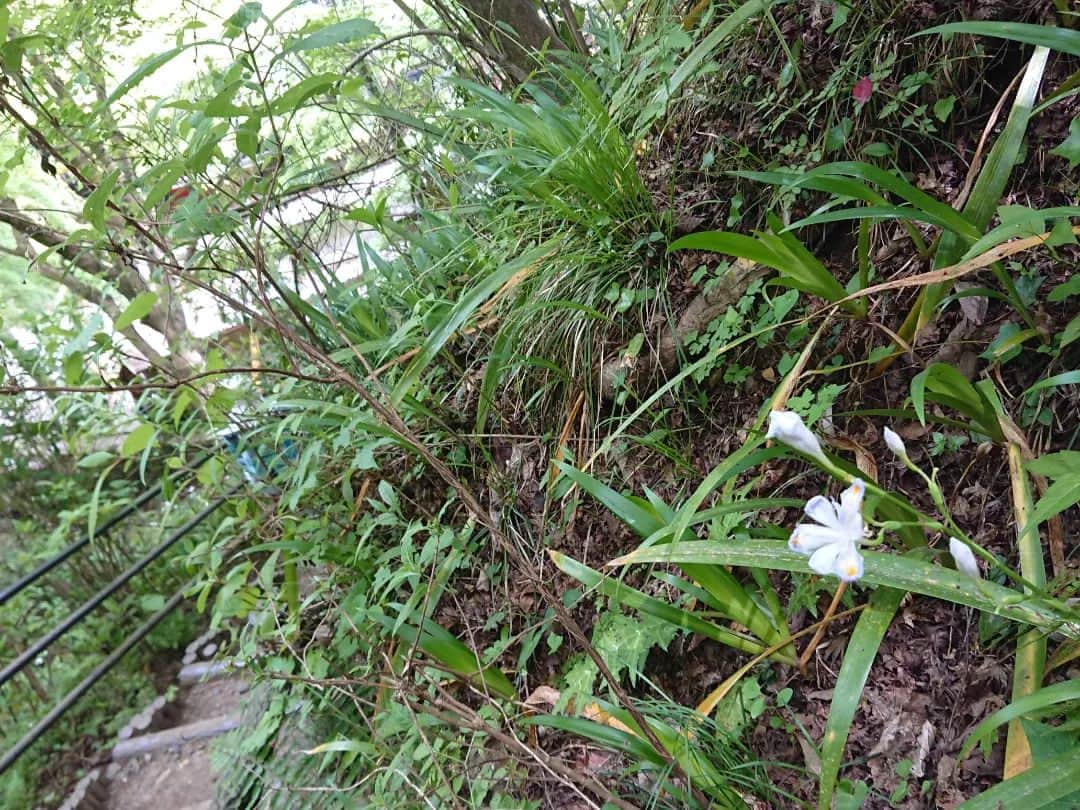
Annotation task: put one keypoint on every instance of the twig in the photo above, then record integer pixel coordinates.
(166, 386)
(825, 620)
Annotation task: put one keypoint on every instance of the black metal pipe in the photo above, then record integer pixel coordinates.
(84, 686)
(88, 606)
(14, 588)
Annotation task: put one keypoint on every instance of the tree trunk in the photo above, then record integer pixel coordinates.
(515, 27)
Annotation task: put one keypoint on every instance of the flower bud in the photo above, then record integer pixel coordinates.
(895, 443)
(788, 427)
(964, 558)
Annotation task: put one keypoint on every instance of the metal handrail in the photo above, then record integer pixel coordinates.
(93, 602)
(23, 582)
(96, 674)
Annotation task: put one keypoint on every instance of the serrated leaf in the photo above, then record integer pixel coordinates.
(138, 309)
(336, 34)
(146, 69)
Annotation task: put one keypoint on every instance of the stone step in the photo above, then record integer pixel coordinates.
(203, 671)
(174, 737)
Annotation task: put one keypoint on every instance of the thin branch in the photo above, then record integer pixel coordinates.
(163, 386)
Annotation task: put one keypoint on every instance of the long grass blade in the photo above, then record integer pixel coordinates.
(633, 598)
(858, 658)
(1041, 786)
(1030, 646)
(891, 570)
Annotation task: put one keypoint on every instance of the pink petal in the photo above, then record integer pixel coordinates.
(863, 88)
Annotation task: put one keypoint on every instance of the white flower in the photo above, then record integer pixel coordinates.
(964, 558)
(895, 443)
(788, 427)
(833, 545)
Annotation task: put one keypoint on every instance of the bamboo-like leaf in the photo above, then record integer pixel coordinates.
(461, 311)
(147, 69)
(633, 598)
(991, 182)
(850, 179)
(1064, 692)
(140, 306)
(869, 212)
(891, 570)
(613, 739)
(1030, 663)
(1057, 39)
(441, 645)
(858, 658)
(647, 521)
(693, 60)
(1040, 786)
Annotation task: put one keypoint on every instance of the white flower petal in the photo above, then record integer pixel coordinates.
(849, 514)
(895, 443)
(848, 564)
(808, 538)
(964, 558)
(823, 560)
(788, 427)
(823, 511)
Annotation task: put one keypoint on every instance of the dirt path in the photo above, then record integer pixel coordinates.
(178, 777)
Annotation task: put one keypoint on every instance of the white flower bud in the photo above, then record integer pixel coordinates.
(964, 558)
(788, 427)
(895, 443)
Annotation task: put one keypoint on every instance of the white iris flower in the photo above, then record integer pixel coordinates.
(833, 545)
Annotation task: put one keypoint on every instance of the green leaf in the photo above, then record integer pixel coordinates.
(613, 739)
(468, 303)
(137, 440)
(891, 570)
(293, 98)
(96, 459)
(1057, 39)
(1070, 333)
(138, 309)
(1040, 786)
(858, 658)
(94, 207)
(336, 34)
(144, 71)
(247, 137)
(943, 108)
(1065, 378)
(452, 653)
(73, 368)
(1070, 147)
(1057, 465)
(1065, 289)
(635, 599)
(1059, 496)
(1064, 692)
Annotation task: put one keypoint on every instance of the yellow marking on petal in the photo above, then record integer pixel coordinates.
(851, 569)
